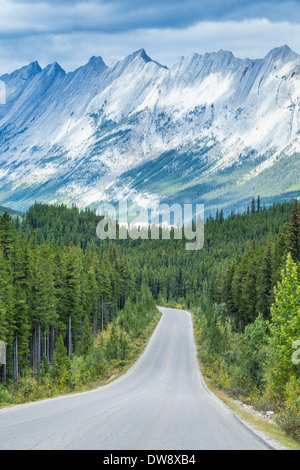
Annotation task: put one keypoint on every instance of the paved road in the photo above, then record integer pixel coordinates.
(159, 404)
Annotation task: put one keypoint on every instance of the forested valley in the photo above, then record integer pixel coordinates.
(74, 309)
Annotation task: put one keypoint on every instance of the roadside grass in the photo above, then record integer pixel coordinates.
(6, 405)
(272, 431)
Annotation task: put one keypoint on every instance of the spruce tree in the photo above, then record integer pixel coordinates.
(253, 206)
(87, 337)
(293, 233)
(258, 204)
(7, 235)
(265, 284)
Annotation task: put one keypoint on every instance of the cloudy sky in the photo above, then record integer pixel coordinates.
(71, 31)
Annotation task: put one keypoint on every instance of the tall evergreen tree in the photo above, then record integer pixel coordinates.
(87, 337)
(265, 284)
(7, 235)
(253, 206)
(293, 233)
(258, 204)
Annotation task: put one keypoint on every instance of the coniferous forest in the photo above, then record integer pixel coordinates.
(73, 309)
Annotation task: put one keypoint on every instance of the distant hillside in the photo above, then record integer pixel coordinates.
(10, 212)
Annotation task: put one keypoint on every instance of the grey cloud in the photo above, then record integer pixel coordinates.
(250, 38)
(70, 31)
(112, 16)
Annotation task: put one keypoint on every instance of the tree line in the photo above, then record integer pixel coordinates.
(52, 293)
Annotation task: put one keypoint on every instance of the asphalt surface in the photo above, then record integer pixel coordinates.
(161, 403)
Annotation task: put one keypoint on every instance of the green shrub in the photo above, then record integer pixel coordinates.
(289, 420)
(5, 396)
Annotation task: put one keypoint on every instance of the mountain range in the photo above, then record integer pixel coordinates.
(211, 129)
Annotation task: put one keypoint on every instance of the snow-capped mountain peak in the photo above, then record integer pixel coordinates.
(53, 69)
(138, 126)
(283, 53)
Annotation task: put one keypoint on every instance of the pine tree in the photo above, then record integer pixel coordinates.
(265, 284)
(248, 298)
(7, 319)
(6, 298)
(258, 204)
(7, 235)
(293, 233)
(226, 290)
(21, 269)
(46, 307)
(87, 337)
(60, 359)
(221, 218)
(71, 290)
(253, 206)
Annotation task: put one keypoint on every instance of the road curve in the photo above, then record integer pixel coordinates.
(159, 404)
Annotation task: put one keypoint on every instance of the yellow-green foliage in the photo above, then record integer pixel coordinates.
(284, 329)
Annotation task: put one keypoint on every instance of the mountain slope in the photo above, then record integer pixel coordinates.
(212, 129)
